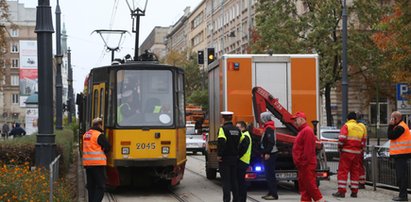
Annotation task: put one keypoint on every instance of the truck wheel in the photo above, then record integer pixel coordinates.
(211, 173)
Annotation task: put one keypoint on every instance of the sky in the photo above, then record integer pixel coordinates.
(82, 17)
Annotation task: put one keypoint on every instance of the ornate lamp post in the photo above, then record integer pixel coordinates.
(45, 146)
(59, 82)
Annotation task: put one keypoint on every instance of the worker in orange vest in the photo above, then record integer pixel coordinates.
(95, 148)
(400, 150)
(350, 144)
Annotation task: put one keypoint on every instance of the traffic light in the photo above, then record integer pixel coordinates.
(200, 57)
(210, 55)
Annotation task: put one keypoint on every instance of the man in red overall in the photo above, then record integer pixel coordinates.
(350, 144)
(305, 159)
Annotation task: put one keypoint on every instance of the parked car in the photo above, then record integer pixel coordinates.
(329, 138)
(195, 140)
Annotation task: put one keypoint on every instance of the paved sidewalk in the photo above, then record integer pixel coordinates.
(367, 195)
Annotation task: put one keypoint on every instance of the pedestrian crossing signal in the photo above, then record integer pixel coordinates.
(210, 55)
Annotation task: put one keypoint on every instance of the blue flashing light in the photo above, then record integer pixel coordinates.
(258, 168)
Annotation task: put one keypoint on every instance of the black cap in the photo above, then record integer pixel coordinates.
(352, 115)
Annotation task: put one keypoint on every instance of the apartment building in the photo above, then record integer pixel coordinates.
(155, 41)
(16, 85)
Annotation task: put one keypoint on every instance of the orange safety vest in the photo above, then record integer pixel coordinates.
(93, 155)
(354, 139)
(401, 145)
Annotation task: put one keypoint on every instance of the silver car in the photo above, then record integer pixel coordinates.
(195, 140)
(329, 138)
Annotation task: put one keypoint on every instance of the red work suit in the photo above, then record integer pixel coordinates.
(305, 160)
(350, 143)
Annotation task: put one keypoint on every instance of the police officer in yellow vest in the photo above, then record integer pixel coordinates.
(244, 162)
(227, 155)
(95, 148)
(400, 151)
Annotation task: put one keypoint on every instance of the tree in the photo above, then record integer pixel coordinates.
(315, 28)
(4, 20)
(194, 77)
(393, 39)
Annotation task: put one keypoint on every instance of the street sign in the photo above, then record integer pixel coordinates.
(403, 93)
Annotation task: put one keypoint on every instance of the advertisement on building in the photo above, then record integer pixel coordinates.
(28, 67)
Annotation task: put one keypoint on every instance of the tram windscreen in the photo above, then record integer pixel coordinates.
(145, 98)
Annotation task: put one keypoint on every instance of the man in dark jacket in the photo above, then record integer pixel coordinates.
(17, 131)
(5, 131)
(269, 155)
(400, 150)
(228, 155)
(305, 159)
(244, 161)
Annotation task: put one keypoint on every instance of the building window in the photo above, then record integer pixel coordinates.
(383, 107)
(15, 63)
(14, 48)
(3, 63)
(14, 32)
(197, 21)
(14, 80)
(15, 98)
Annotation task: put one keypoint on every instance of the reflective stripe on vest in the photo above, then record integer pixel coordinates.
(401, 145)
(93, 155)
(246, 157)
(221, 134)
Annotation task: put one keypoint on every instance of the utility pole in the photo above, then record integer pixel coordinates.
(59, 81)
(70, 88)
(45, 146)
(344, 82)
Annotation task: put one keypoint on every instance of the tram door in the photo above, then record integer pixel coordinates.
(98, 103)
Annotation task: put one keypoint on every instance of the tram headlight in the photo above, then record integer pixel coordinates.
(125, 150)
(165, 150)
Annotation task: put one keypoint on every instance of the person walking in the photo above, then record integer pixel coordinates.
(362, 178)
(269, 155)
(400, 150)
(305, 159)
(5, 131)
(351, 142)
(227, 156)
(17, 131)
(95, 148)
(244, 161)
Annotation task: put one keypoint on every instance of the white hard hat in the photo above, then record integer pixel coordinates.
(226, 113)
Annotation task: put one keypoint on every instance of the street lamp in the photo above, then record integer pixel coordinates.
(344, 81)
(135, 15)
(45, 146)
(59, 81)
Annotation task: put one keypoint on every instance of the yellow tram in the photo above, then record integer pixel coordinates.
(143, 108)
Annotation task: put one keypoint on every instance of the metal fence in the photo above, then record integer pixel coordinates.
(379, 167)
(54, 174)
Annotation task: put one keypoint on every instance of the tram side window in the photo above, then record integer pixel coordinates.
(181, 101)
(102, 103)
(95, 103)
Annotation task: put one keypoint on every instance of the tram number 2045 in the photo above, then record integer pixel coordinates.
(146, 145)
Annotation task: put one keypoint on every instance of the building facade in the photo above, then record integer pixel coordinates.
(155, 41)
(20, 34)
